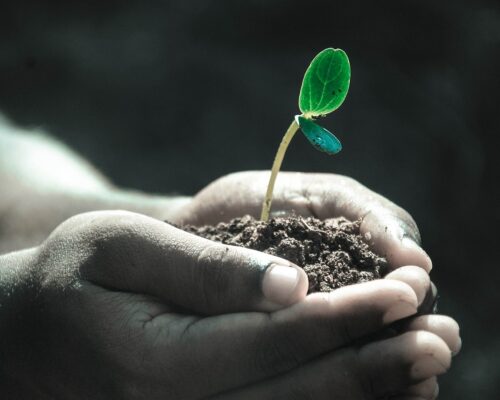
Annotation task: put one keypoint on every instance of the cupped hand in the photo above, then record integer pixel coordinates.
(389, 229)
(121, 306)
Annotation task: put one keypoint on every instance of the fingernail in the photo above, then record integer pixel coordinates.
(398, 311)
(410, 244)
(279, 283)
(426, 367)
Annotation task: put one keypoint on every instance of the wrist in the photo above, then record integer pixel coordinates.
(33, 216)
(156, 206)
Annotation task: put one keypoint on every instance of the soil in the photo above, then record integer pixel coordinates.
(332, 252)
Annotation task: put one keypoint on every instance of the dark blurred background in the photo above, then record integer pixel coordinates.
(166, 96)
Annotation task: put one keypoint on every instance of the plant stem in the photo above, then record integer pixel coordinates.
(278, 159)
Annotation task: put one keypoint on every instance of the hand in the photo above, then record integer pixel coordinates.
(116, 305)
(389, 229)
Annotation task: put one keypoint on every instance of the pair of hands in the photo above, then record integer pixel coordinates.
(119, 305)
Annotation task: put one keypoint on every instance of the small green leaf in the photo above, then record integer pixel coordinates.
(325, 83)
(319, 137)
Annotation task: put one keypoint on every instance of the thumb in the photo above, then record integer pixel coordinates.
(182, 269)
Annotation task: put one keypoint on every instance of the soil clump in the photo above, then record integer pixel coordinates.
(331, 252)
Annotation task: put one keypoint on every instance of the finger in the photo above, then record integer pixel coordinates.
(441, 325)
(415, 277)
(426, 293)
(388, 236)
(377, 369)
(243, 348)
(143, 255)
(389, 229)
(420, 355)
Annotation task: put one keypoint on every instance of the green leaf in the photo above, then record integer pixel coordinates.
(319, 137)
(325, 83)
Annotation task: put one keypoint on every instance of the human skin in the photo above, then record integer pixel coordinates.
(115, 304)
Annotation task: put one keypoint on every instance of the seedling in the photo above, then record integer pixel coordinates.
(323, 90)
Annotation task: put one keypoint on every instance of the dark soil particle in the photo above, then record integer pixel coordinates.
(332, 252)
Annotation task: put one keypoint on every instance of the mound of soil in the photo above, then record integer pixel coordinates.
(332, 252)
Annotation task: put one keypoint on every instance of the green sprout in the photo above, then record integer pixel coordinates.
(323, 90)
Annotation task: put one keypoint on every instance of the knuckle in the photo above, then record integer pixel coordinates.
(96, 227)
(406, 223)
(411, 225)
(87, 245)
(213, 275)
(347, 180)
(115, 226)
(234, 177)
